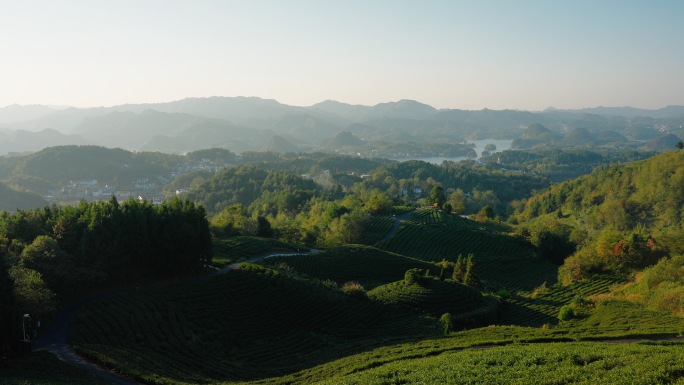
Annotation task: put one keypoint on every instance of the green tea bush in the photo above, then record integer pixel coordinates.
(354, 289)
(565, 313)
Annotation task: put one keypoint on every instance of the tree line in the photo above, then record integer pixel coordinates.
(52, 254)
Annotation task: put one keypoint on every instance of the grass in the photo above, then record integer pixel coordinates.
(44, 368)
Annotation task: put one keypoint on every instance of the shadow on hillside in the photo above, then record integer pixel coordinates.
(521, 314)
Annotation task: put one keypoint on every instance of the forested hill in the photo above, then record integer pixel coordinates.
(56, 165)
(273, 191)
(647, 192)
(11, 199)
(617, 220)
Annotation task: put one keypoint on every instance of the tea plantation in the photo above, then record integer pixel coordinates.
(350, 315)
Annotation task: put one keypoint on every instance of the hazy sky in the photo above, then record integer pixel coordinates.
(449, 54)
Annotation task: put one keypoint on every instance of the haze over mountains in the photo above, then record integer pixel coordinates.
(250, 123)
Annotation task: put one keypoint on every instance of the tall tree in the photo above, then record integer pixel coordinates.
(459, 269)
(470, 277)
(436, 197)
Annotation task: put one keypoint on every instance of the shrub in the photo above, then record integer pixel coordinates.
(446, 321)
(578, 302)
(354, 289)
(565, 313)
(541, 289)
(412, 276)
(503, 293)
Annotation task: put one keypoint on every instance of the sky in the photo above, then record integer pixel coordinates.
(527, 55)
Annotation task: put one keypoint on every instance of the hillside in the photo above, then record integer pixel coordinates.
(17, 200)
(369, 266)
(252, 323)
(644, 192)
(56, 166)
(620, 218)
(276, 325)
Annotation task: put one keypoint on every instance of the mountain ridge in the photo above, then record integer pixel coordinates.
(246, 123)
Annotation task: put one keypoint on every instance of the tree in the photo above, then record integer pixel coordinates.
(487, 212)
(679, 145)
(470, 276)
(436, 197)
(457, 200)
(33, 296)
(378, 203)
(412, 276)
(230, 221)
(459, 269)
(447, 208)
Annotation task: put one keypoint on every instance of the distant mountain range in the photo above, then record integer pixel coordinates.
(249, 123)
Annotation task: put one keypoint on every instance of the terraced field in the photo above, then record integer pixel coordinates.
(376, 229)
(274, 324)
(543, 309)
(433, 236)
(468, 307)
(252, 323)
(610, 320)
(367, 265)
(429, 296)
(503, 261)
(580, 363)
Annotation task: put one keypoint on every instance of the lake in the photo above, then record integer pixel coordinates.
(501, 145)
